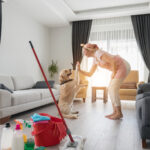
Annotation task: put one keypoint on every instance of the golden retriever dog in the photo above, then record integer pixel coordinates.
(68, 89)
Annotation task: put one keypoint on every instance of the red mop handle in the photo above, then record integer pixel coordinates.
(68, 131)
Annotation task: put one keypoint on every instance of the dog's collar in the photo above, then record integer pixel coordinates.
(66, 81)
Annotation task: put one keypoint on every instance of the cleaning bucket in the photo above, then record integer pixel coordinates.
(50, 133)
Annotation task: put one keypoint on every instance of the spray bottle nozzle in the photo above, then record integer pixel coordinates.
(7, 125)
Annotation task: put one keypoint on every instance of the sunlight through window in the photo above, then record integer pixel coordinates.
(116, 36)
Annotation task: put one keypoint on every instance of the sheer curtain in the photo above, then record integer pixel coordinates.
(116, 36)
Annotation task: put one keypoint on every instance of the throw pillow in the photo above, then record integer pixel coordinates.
(2, 86)
(42, 84)
(143, 88)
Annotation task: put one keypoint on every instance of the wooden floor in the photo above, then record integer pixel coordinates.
(100, 132)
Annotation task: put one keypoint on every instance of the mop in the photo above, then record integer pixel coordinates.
(73, 142)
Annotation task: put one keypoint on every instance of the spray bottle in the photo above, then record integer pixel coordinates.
(26, 126)
(29, 144)
(7, 135)
(18, 142)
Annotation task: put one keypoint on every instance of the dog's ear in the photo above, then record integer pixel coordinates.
(61, 78)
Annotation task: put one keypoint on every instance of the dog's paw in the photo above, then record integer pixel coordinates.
(75, 116)
(75, 112)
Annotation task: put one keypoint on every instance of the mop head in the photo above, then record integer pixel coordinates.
(78, 144)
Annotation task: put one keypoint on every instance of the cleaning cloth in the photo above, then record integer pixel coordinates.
(40, 148)
(36, 117)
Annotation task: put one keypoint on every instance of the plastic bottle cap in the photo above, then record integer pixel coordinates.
(18, 127)
(7, 125)
(29, 126)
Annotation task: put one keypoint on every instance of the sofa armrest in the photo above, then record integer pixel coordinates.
(142, 95)
(143, 88)
(56, 86)
(5, 98)
(143, 110)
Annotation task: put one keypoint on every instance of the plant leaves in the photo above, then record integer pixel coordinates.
(53, 68)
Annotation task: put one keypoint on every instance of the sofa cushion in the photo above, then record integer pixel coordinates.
(131, 85)
(131, 92)
(25, 96)
(3, 87)
(42, 84)
(7, 81)
(46, 93)
(22, 82)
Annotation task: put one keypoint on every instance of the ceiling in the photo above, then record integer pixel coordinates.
(61, 12)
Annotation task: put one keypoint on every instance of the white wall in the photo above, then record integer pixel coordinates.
(61, 47)
(16, 57)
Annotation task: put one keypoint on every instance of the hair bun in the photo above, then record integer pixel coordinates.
(94, 46)
(82, 44)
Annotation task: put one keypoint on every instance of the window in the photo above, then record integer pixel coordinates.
(116, 36)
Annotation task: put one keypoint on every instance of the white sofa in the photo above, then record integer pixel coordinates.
(24, 97)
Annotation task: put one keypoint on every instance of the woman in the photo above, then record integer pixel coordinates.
(119, 67)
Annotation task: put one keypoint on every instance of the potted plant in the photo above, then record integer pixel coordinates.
(53, 69)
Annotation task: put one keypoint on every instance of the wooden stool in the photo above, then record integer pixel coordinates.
(105, 95)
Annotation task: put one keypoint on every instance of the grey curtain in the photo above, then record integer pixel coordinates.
(80, 34)
(141, 25)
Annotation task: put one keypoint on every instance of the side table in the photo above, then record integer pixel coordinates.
(105, 93)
